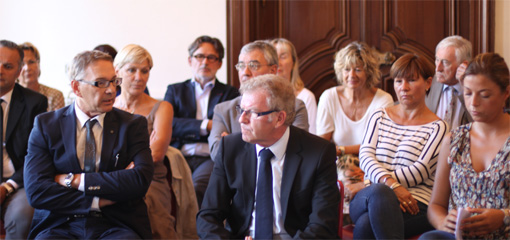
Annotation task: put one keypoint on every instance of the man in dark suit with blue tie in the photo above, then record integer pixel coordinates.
(193, 101)
(89, 165)
(19, 106)
(271, 180)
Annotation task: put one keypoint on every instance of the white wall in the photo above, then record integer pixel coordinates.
(61, 28)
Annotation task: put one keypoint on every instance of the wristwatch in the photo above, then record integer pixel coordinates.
(68, 180)
(506, 219)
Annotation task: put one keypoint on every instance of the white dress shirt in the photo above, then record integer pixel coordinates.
(277, 162)
(6, 160)
(202, 101)
(81, 138)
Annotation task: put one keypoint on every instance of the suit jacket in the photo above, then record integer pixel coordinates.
(186, 128)
(434, 97)
(52, 151)
(309, 193)
(226, 119)
(24, 106)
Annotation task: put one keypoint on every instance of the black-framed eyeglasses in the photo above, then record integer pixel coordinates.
(103, 83)
(253, 66)
(201, 57)
(253, 114)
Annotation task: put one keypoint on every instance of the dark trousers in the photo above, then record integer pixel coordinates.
(201, 169)
(88, 227)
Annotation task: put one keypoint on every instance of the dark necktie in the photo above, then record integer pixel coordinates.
(90, 148)
(1, 138)
(264, 199)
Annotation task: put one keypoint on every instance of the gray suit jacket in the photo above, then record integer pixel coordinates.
(433, 98)
(226, 119)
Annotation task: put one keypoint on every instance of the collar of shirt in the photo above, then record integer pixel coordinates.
(198, 87)
(83, 117)
(457, 87)
(279, 147)
(7, 97)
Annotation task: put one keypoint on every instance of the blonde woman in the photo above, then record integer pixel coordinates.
(133, 64)
(288, 68)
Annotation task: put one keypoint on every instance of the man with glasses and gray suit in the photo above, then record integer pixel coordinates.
(256, 58)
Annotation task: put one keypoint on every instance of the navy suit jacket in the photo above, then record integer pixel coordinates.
(185, 126)
(24, 106)
(52, 151)
(309, 194)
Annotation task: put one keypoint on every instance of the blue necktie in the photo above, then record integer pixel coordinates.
(90, 148)
(264, 198)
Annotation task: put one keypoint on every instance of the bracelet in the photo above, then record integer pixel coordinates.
(367, 182)
(395, 185)
(386, 179)
(9, 188)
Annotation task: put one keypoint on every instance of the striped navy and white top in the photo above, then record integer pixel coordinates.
(407, 152)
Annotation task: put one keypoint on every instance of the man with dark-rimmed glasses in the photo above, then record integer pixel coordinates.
(193, 101)
(89, 165)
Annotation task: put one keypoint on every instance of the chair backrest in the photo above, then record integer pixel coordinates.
(340, 208)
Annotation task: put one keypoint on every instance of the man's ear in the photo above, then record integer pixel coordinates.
(75, 85)
(281, 117)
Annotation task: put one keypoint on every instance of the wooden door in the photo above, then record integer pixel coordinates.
(320, 28)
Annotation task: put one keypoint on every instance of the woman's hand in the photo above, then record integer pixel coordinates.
(350, 190)
(485, 222)
(407, 202)
(449, 222)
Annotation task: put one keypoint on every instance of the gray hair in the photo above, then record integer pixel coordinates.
(280, 93)
(81, 61)
(13, 46)
(265, 47)
(463, 48)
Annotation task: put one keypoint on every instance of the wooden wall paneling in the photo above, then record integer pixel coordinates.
(318, 29)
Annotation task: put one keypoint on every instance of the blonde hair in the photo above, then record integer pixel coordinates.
(357, 53)
(132, 53)
(295, 78)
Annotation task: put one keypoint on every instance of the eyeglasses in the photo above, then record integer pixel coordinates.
(103, 83)
(253, 114)
(253, 66)
(201, 57)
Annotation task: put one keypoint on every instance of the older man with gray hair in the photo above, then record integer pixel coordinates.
(256, 58)
(445, 97)
(271, 180)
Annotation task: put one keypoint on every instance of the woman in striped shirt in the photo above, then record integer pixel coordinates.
(398, 155)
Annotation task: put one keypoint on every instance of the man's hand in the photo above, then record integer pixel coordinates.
(460, 70)
(105, 202)
(209, 125)
(223, 134)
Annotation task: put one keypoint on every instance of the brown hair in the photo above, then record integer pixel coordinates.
(206, 39)
(492, 66)
(409, 65)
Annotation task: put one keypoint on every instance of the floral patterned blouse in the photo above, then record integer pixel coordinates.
(489, 188)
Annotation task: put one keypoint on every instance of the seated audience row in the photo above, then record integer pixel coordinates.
(398, 153)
